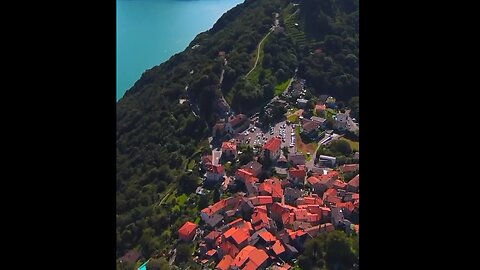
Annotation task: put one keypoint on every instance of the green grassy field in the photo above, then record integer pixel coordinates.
(303, 147)
(279, 89)
(182, 199)
(258, 69)
(293, 118)
(191, 164)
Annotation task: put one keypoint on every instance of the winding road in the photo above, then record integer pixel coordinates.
(258, 52)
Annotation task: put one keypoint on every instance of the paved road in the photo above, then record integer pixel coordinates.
(353, 125)
(172, 259)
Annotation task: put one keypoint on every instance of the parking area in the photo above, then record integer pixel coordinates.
(257, 137)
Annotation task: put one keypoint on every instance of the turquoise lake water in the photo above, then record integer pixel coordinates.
(149, 32)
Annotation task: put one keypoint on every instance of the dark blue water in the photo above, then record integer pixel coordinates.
(149, 32)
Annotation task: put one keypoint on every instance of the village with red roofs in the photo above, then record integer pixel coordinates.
(265, 221)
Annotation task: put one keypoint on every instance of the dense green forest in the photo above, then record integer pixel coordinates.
(159, 141)
(335, 250)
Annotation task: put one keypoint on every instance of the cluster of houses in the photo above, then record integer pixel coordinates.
(268, 222)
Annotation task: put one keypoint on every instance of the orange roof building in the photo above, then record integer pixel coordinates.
(271, 187)
(354, 184)
(267, 236)
(278, 248)
(312, 180)
(250, 258)
(272, 148)
(298, 174)
(187, 231)
(346, 168)
(320, 107)
(225, 263)
(261, 200)
(229, 149)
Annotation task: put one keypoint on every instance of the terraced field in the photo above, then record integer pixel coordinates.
(290, 15)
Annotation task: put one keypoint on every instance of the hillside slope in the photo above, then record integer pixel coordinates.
(159, 138)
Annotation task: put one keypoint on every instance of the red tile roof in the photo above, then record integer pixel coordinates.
(258, 256)
(267, 236)
(260, 226)
(211, 252)
(338, 184)
(295, 234)
(324, 179)
(265, 187)
(333, 174)
(248, 226)
(240, 235)
(325, 210)
(314, 209)
(229, 146)
(215, 168)
(230, 232)
(272, 187)
(273, 144)
(259, 216)
(250, 266)
(355, 181)
(297, 172)
(220, 205)
(313, 217)
(262, 208)
(331, 192)
(278, 248)
(235, 222)
(333, 199)
(347, 205)
(225, 263)
(312, 180)
(237, 120)
(228, 248)
(320, 107)
(348, 168)
(242, 256)
(309, 200)
(243, 173)
(187, 230)
(259, 200)
(301, 214)
(277, 190)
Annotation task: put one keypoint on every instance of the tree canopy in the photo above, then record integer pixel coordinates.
(334, 250)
